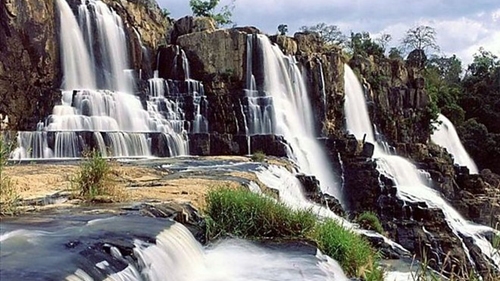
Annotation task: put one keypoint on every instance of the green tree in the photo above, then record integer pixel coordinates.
(206, 8)
(361, 43)
(449, 68)
(484, 62)
(421, 38)
(330, 34)
(442, 77)
(395, 53)
(282, 29)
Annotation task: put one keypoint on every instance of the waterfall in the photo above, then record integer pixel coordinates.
(411, 185)
(446, 136)
(281, 106)
(132, 252)
(98, 107)
(77, 69)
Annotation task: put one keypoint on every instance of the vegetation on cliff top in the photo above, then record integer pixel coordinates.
(245, 214)
(206, 8)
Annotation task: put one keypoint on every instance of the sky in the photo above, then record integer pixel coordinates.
(462, 26)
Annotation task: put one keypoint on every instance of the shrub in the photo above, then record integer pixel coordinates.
(245, 214)
(9, 196)
(258, 156)
(369, 220)
(353, 252)
(93, 179)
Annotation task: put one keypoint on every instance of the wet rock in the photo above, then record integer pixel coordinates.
(312, 191)
(368, 149)
(272, 145)
(223, 144)
(310, 185)
(199, 144)
(183, 213)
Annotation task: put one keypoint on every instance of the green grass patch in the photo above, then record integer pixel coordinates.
(244, 214)
(93, 180)
(258, 156)
(9, 195)
(352, 251)
(369, 220)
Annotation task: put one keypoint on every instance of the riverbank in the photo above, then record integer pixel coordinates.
(41, 186)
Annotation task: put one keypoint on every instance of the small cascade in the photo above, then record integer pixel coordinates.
(98, 107)
(411, 184)
(283, 108)
(133, 252)
(76, 63)
(110, 54)
(323, 90)
(258, 107)
(446, 136)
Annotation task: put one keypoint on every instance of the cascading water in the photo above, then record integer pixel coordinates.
(410, 184)
(125, 248)
(446, 136)
(98, 108)
(279, 104)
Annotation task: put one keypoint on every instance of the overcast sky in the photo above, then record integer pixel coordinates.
(462, 26)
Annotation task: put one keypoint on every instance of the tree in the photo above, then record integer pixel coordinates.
(420, 38)
(206, 8)
(330, 34)
(383, 40)
(395, 53)
(449, 68)
(282, 29)
(362, 43)
(484, 62)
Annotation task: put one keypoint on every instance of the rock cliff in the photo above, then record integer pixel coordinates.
(29, 61)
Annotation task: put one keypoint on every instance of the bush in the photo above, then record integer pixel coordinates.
(369, 220)
(93, 179)
(353, 252)
(245, 214)
(258, 156)
(9, 196)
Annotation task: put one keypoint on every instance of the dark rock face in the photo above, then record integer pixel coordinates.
(419, 228)
(312, 191)
(396, 98)
(227, 144)
(183, 213)
(29, 61)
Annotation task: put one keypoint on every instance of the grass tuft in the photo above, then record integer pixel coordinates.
(369, 220)
(245, 214)
(93, 180)
(352, 251)
(258, 156)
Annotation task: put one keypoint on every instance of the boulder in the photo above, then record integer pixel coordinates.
(190, 24)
